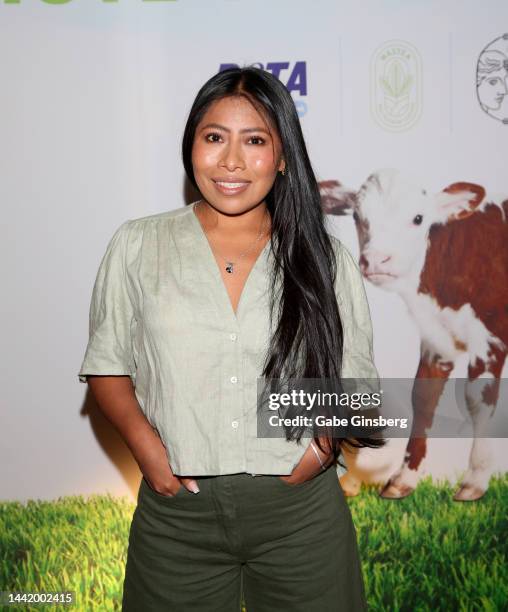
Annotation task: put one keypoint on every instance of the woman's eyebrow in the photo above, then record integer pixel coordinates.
(217, 126)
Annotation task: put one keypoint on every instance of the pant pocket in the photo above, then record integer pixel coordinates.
(146, 489)
(317, 479)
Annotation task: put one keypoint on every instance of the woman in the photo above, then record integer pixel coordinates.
(190, 308)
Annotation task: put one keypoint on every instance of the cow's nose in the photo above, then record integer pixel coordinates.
(374, 260)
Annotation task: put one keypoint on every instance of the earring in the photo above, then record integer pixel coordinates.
(283, 171)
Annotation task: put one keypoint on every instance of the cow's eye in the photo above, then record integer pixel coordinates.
(418, 219)
(356, 217)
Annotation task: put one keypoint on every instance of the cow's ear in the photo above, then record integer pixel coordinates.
(459, 200)
(336, 199)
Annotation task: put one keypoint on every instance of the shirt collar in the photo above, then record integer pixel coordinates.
(202, 266)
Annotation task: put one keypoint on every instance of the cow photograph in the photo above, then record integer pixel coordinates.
(446, 255)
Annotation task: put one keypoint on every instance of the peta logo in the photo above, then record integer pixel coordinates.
(294, 77)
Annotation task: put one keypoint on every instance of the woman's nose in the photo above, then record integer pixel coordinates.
(233, 157)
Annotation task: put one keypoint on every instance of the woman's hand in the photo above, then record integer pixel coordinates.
(309, 465)
(153, 463)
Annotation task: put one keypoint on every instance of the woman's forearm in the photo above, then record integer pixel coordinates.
(116, 399)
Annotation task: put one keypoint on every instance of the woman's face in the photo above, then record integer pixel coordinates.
(493, 89)
(234, 156)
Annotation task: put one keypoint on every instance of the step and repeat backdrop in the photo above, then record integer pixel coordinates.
(404, 106)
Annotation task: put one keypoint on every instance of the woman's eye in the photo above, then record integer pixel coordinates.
(213, 137)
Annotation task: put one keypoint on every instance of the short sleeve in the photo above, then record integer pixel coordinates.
(358, 354)
(109, 350)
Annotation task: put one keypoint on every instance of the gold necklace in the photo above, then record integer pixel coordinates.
(230, 265)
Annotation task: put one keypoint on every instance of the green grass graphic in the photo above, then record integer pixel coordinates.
(424, 552)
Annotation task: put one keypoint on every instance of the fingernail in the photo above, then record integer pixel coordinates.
(194, 487)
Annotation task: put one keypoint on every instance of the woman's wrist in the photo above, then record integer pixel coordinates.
(317, 455)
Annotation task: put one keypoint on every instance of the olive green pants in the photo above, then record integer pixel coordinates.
(285, 547)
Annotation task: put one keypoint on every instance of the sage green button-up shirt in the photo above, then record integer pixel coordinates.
(160, 313)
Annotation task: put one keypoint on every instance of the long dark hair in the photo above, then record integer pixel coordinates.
(308, 338)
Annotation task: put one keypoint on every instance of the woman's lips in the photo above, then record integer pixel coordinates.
(230, 188)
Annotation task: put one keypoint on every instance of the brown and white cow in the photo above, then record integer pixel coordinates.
(446, 255)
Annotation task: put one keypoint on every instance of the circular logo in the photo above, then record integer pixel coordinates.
(492, 79)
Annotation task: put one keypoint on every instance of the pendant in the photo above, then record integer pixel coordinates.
(229, 267)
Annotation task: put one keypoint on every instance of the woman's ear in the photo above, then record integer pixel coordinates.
(282, 166)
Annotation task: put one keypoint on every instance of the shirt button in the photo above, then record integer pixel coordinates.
(233, 379)
(234, 424)
(233, 336)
